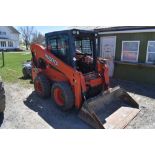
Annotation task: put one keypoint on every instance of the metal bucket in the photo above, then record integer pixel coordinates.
(113, 110)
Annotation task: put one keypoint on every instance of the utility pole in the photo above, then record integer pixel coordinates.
(3, 58)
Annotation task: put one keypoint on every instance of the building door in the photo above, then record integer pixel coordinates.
(107, 51)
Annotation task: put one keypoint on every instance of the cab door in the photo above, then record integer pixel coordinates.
(59, 46)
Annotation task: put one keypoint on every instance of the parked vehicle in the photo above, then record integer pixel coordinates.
(27, 70)
(69, 70)
(2, 96)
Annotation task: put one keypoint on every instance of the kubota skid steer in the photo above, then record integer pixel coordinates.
(69, 71)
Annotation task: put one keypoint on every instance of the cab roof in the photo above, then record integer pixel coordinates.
(71, 31)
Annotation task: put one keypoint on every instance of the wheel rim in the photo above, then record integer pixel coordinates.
(58, 96)
(38, 87)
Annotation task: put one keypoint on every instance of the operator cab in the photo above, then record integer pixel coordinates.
(76, 48)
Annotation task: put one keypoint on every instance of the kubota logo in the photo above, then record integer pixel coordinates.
(51, 59)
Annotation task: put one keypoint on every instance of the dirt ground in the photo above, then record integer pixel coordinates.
(24, 109)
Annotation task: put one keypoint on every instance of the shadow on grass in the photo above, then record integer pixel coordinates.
(1, 66)
(133, 87)
(26, 79)
(53, 115)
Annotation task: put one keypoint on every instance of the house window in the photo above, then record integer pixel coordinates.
(130, 51)
(2, 33)
(3, 43)
(150, 58)
(10, 44)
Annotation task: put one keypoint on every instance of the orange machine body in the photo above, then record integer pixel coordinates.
(57, 70)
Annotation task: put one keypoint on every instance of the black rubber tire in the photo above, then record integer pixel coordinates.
(67, 94)
(2, 98)
(25, 74)
(45, 84)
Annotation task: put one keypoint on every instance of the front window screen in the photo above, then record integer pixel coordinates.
(84, 45)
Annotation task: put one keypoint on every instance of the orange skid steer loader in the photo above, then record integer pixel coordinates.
(69, 71)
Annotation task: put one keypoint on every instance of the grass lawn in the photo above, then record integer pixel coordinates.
(12, 71)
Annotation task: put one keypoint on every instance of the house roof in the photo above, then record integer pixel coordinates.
(13, 29)
(68, 31)
(123, 28)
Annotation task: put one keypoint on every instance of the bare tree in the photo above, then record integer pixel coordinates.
(37, 37)
(27, 32)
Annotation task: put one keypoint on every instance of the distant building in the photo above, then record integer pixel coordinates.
(9, 38)
(130, 51)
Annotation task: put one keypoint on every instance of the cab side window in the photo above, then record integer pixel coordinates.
(53, 45)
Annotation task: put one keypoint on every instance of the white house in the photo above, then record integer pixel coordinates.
(9, 38)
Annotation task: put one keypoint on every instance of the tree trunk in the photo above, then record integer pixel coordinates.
(26, 43)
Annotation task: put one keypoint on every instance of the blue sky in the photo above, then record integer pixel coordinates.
(45, 29)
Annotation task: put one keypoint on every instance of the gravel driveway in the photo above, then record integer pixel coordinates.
(24, 109)
(145, 96)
